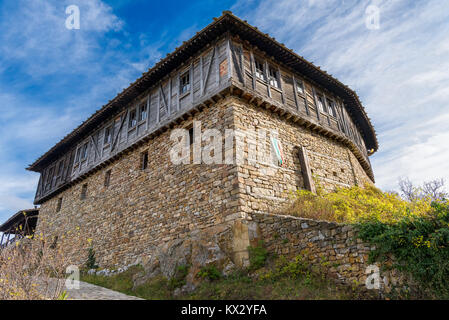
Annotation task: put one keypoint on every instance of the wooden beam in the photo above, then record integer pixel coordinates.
(295, 92)
(316, 104)
(253, 69)
(237, 63)
(97, 152)
(280, 85)
(208, 70)
(305, 169)
(267, 80)
(306, 103)
(119, 130)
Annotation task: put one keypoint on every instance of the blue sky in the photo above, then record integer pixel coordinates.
(52, 78)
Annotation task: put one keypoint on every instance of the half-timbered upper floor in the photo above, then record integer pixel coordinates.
(227, 57)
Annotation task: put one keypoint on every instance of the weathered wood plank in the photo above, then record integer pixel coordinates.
(305, 169)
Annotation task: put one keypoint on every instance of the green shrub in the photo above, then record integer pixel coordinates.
(179, 278)
(419, 247)
(91, 261)
(257, 256)
(209, 272)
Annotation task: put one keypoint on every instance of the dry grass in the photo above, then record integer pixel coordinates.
(30, 266)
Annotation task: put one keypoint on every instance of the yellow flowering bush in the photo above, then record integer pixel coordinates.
(355, 204)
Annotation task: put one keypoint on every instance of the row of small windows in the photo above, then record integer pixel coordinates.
(107, 180)
(273, 79)
(328, 107)
(135, 116)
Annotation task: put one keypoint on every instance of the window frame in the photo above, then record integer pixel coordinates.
(59, 205)
(108, 131)
(132, 121)
(140, 112)
(320, 102)
(184, 88)
(107, 178)
(259, 73)
(83, 195)
(274, 80)
(144, 160)
(331, 107)
(84, 151)
(299, 86)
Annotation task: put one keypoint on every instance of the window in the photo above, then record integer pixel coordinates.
(260, 70)
(273, 77)
(191, 136)
(299, 86)
(77, 157)
(142, 112)
(132, 119)
(320, 102)
(332, 108)
(184, 83)
(58, 208)
(108, 135)
(107, 178)
(84, 191)
(144, 160)
(84, 151)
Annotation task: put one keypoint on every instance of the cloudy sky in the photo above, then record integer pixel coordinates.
(53, 78)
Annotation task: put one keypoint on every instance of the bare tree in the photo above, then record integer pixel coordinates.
(433, 189)
(407, 190)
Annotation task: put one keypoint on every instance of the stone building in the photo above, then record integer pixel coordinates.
(114, 177)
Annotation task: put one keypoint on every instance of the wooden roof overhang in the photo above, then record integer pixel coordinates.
(23, 221)
(225, 23)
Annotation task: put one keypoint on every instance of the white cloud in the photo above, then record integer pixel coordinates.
(37, 29)
(399, 71)
(36, 46)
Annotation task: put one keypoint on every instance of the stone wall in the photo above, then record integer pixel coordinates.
(142, 209)
(266, 186)
(331, 246)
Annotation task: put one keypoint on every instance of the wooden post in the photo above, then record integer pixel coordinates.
(191, 82)
(305, 169)
(306, 103)
(169, 97)
(316, 104)
(201, 76)
(253, 70)
(267, 78)
(178, 92)
(295, 92)
(158, 111)
(280, 85)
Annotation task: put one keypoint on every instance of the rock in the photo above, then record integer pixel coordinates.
(91, 271)
(199, 249)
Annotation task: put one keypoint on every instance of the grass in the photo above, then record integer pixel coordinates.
(278, 279)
